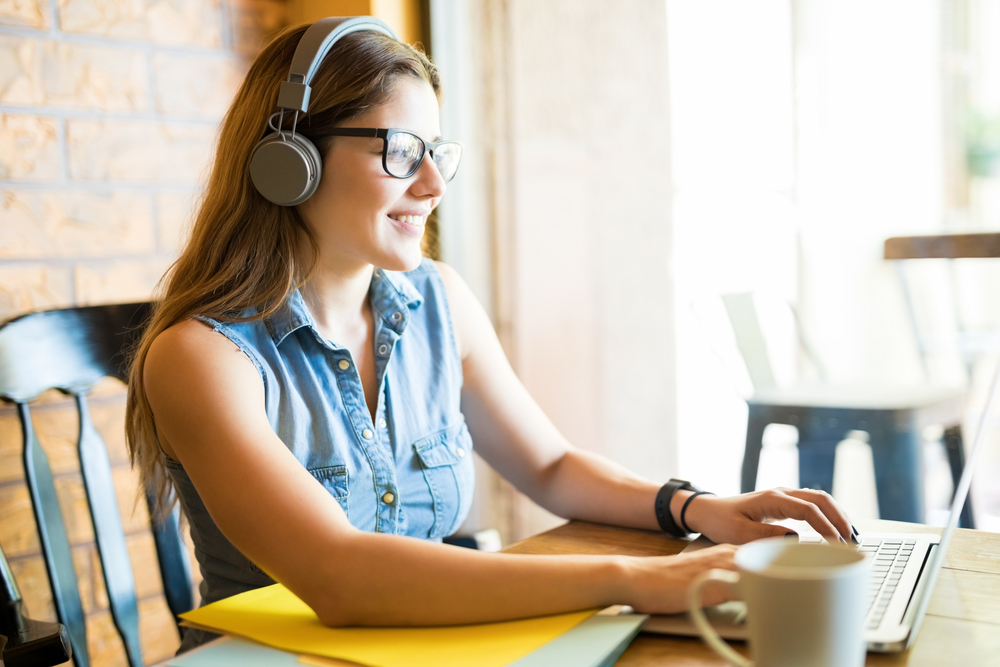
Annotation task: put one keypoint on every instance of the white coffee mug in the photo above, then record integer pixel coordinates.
(805, 604)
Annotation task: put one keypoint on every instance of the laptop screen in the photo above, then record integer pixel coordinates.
(961, 492)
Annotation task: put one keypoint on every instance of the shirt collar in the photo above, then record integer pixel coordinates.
(392, 296)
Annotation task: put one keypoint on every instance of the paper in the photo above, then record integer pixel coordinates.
(275, 617)
(234, 652)
(596, 642)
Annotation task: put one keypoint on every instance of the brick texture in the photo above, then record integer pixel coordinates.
(25, 13)
(43, 72)
(75, 223)
(25, 287)
(117, 282)
(169, 22)
(108, 118)
(254, 21)
(138, 151)
(174, 211)
(196, 85)
(29, 149)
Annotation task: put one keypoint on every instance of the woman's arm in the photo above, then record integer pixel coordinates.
(513, 435)
(208, 401)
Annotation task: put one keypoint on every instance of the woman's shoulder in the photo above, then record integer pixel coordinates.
(187, 357)
(188, 340)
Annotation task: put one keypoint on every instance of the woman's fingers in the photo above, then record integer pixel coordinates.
(660, 584)
(831, 510)
(747, 517)
(816, 508)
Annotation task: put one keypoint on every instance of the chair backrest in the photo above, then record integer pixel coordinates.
(957, 338)
(747, 313)
(70, 350)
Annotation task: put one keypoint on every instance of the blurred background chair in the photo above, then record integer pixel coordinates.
(957, 336)
(825, 413)
(70, 350)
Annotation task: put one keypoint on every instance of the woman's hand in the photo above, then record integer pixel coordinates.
(660, 584)
(744, 518)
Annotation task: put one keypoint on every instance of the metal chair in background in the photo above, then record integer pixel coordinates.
(825, 413)
(970, 345)
(70, 350)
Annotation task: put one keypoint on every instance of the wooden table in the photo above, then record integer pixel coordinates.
(961, 628)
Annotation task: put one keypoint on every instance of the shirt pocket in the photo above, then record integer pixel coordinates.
(334, 480)
(446, 458)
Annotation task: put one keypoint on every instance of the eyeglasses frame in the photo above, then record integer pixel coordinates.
(385, 134)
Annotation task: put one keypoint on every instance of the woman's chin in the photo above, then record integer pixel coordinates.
(401, 262)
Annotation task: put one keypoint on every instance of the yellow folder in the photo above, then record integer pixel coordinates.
(276, 617)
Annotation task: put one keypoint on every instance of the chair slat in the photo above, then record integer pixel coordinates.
(110, 535)
(175, 566)
(55, 543)
(70, 350)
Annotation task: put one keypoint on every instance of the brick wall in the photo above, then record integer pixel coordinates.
(108, 111)
(108, 114)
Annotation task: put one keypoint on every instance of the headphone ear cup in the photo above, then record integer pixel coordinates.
(285, 168)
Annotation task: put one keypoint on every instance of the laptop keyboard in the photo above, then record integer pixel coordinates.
(889, 559)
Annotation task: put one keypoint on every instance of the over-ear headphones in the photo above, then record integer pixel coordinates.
(285, 167)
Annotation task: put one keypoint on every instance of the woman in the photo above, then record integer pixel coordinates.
(311, 387)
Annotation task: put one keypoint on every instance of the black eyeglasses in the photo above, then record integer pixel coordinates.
(403, 152)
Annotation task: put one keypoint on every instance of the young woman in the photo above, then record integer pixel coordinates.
(311, 387)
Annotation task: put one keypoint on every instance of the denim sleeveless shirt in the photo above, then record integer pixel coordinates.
(409, 472)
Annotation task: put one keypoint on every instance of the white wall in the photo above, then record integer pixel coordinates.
(572, 104)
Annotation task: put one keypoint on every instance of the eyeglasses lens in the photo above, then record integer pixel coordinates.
(403, 154)
(446, 157)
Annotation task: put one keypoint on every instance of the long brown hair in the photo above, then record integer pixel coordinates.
(242, 252)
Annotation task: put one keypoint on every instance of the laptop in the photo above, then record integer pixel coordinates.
(905, 568)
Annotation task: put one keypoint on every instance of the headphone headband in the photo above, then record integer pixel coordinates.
(317, 41)
(285, 167)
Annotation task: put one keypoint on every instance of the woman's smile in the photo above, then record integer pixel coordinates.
(412, 225)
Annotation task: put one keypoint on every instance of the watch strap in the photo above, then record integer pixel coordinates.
(662, 506)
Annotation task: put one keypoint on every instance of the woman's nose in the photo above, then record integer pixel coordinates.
(428, 181)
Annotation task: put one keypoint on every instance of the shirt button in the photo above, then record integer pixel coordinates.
(397, 316)
(382, 349)
(381, 423)
(343, 364)
(367, 434)
(388, 498)
(460, 452)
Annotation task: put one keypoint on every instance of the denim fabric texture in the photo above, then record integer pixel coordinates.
(409, 472)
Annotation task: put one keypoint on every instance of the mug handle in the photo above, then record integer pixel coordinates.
(708, 633)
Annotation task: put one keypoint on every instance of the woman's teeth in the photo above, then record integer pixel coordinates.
(417, 220)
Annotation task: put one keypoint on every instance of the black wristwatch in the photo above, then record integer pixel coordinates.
(663, 498)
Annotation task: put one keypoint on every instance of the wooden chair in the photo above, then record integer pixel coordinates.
(70, 350)
(824, 414)
(901, 249)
